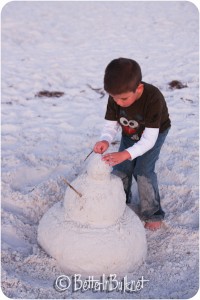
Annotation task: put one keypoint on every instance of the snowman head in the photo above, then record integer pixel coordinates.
(97, 168)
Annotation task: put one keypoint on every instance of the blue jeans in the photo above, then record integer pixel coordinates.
(142, 168)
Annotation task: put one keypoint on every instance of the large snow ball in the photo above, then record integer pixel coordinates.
(117, 249)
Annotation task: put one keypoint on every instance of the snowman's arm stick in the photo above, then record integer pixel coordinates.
(80, 195)
(88, 155)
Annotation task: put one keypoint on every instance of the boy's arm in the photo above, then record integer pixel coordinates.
(109, 131)
(147, 141)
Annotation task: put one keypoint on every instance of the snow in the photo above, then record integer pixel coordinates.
(65, 46)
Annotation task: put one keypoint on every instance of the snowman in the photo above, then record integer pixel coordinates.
(94, 232)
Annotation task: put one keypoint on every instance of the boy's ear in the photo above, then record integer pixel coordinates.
(140, 85)
(140, 88)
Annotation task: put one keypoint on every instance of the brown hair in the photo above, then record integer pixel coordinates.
(122, 75)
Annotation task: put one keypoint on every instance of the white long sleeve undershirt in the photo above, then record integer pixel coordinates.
(109, 131)
(147, 141)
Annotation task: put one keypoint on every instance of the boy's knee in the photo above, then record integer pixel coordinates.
(142, 172)
(123, 168)
(120, 174)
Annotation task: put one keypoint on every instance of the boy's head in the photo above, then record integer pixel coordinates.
(122, 75)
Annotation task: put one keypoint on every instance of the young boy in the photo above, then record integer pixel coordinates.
(141, 111)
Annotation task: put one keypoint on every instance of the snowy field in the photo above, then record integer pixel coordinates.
(65, 47)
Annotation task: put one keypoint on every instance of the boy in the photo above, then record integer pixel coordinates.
(141, 111)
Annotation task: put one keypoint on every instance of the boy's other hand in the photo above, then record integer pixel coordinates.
(116, 158)
(101, 147)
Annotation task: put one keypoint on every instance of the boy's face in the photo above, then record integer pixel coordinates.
(128, 98)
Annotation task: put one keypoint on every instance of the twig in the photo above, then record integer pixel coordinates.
(88, 155)
(49, 94)
(97, 90)
(80, 195)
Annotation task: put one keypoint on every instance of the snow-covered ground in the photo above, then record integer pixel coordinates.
(65, 46)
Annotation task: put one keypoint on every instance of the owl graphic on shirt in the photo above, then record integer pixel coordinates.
(132, 126)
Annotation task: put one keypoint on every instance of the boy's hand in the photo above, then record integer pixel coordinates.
(101, 147)
(116, 158)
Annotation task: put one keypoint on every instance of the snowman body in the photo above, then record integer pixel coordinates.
(97, 233)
